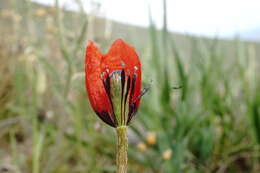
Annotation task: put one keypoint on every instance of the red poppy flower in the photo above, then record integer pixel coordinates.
(113, 82)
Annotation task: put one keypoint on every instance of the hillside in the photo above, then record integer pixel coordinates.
(103, 30)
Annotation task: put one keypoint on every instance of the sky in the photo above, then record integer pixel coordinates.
(222, 18)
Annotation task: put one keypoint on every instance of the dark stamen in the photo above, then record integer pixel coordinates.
(106, 118)
(132, 107)
(106, 83)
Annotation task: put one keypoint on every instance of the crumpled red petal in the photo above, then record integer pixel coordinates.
(123, 56)
(94, 85)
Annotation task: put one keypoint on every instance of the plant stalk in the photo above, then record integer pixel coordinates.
(122, 144)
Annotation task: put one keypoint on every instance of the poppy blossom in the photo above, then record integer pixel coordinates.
(113, 82)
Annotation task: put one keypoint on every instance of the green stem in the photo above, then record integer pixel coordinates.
(122, 144)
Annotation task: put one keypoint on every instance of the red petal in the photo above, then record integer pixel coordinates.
(94, 85)
(123, 56)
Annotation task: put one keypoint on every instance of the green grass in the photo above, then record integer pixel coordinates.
(211, 124)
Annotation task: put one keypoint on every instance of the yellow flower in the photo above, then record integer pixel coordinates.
(40, 12)
(142, 147)
(167, 154)
(151, 138)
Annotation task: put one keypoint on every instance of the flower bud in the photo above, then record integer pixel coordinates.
(113, 82)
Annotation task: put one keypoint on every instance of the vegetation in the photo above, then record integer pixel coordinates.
(210, 124)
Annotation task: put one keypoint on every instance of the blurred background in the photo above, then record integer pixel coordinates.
(209, 48)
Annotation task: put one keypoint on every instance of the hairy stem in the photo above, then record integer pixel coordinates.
(122, 144)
